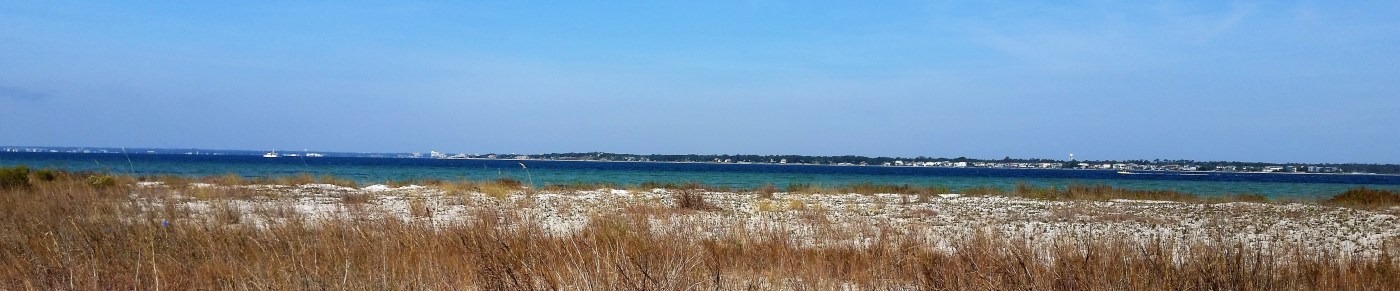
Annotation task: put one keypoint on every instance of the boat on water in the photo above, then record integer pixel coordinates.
(271, 154)
(1125, 172)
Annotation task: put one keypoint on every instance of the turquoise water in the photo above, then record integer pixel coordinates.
(378, 170)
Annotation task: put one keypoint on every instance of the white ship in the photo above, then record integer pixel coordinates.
(271, 154)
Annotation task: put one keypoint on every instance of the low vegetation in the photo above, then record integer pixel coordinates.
(766, 191)
(866, 188)
(692, 198)
(70, 233)
(1076, 191)
(15, 177)
(1363, 197)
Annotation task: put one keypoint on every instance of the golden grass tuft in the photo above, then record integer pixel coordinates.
(766, 205)
(796, 205)
(499, 189)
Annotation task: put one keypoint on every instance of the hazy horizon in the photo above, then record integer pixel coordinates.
(1297, 81)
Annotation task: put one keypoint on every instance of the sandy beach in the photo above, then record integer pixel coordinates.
(822, 220)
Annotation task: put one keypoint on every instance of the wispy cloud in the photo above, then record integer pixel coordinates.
(1203, 25)
(1110, 38)
(1237, 14)
(22, 94)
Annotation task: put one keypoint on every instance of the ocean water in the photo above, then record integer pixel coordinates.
(378, 170)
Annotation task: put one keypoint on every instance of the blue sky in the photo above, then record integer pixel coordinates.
(1281, 81)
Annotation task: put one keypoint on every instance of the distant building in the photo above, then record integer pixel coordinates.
(1318, 169)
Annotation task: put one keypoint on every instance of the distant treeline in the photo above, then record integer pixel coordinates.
(863, 160)
(792, 159)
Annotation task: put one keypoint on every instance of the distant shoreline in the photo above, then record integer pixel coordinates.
(171, 151)
(884, 166)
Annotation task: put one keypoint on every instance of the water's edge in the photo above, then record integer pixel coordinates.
(378, 170)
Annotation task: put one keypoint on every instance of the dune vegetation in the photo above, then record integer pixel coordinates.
(98, 231)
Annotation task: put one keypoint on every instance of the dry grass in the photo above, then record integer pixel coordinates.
(982, 191)
(1098, 192)
(866, 188)
(809, 189)
(356, 198)
(578, 186)
(418, 207)
(766, 205)
(70, 234)
(227, 179)
(796, 205)
(1362, 197)
(692, 199)
(499, 188)
(1075, 191)
(766, 191)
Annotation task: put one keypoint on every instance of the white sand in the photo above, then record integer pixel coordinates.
(849, 219)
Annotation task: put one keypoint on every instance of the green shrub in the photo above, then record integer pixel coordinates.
(15, 177)
(46, 175)
(101, 181)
